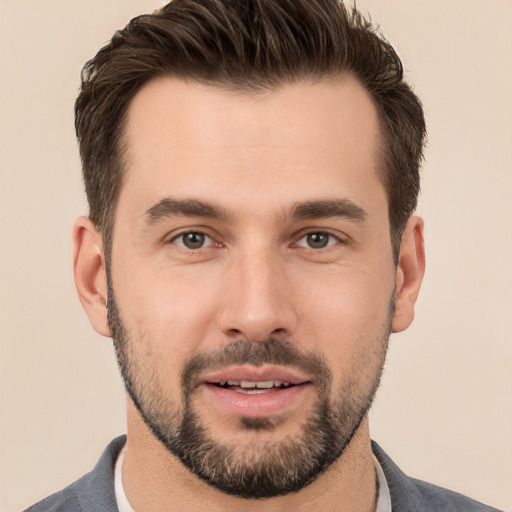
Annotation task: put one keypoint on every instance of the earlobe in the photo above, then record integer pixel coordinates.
(90, 273)
(409, 273)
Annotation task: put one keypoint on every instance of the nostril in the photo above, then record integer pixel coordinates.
(234, 333)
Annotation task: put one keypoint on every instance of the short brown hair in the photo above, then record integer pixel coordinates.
(247, 45)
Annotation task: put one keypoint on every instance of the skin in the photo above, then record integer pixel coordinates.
(255, 156)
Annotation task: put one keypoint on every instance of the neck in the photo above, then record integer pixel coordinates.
(155, 480)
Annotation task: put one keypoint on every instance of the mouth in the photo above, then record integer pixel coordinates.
(256, 392)
(253, 388)
(265, 379)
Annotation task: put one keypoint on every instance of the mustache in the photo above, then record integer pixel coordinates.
(272, 351)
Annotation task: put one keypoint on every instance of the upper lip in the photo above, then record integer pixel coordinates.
(256, 374)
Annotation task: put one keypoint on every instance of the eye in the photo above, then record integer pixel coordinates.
(317, 240)
(192, 240)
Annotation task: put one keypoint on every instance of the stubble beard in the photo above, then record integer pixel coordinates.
(261, 469)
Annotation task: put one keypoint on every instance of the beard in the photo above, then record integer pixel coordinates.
(260, 469)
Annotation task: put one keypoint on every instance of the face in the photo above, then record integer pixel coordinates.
(251, 283)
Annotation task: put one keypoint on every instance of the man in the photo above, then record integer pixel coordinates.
(251, 169)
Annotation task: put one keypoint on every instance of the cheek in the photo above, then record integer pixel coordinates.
(346, 315)
(169, 311)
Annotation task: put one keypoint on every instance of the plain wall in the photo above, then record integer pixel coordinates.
(444, 411)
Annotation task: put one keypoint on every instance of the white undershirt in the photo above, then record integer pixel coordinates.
(383, 499)
(122, 501)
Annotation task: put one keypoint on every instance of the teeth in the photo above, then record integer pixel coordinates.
(267, 384)
(252, 391)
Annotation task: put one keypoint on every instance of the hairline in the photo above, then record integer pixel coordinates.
(121, 149)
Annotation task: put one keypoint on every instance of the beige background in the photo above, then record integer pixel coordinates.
(444, 411)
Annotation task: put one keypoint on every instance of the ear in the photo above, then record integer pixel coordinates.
(90, 273)
(409, 273)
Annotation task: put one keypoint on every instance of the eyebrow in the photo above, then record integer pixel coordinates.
(171, 207)
(329, 208)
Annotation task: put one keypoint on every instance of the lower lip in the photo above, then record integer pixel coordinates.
(256, 405)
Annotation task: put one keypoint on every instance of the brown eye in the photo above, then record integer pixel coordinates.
(192, 240)
(317, 240)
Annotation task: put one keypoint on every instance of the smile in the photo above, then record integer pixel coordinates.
(254, 388)
(256, 391)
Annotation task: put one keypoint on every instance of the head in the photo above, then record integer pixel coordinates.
(246, 47)
(251, 169)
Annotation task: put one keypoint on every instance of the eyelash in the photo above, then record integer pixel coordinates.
(182, 245)
(331, 240)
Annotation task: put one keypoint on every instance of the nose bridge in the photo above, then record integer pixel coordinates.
(259, 300)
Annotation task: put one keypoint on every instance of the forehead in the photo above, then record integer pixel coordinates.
(185, 138)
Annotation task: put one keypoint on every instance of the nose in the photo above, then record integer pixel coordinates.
(258, 298)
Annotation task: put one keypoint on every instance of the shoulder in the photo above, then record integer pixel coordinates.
(94, 492)
(444, 499)
(411, 494)
(62, 501)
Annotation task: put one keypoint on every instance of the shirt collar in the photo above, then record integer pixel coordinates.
(383, 496)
